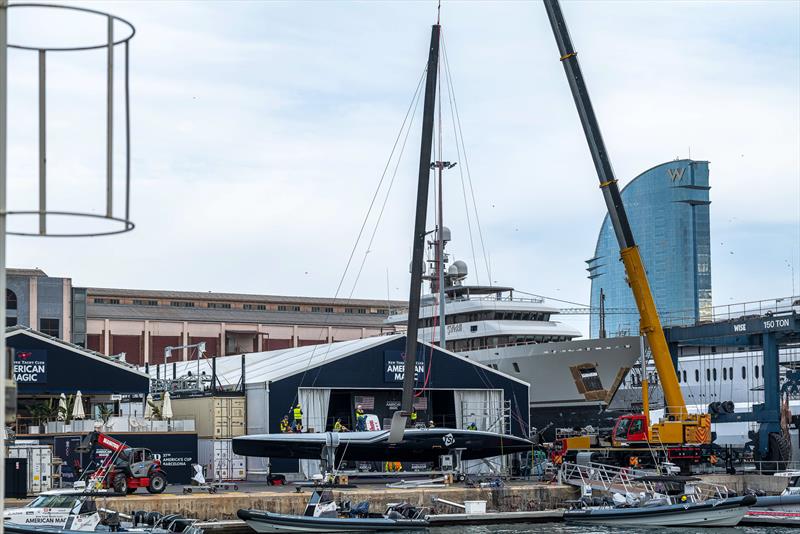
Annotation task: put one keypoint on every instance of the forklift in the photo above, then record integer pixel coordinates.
(125, 469)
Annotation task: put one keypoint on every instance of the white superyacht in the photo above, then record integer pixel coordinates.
(571, 380)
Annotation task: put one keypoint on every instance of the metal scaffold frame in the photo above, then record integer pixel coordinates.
(119, 223)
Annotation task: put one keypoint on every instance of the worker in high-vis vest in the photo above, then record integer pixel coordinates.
(412, 418)
(338, 426)
(361, 419)
(285, 426)
(298, 416)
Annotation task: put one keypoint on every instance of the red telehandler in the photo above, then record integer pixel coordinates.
(125, 469)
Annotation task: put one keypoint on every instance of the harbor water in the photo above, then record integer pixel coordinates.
(563, 528)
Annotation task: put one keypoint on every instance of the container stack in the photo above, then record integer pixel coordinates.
(217, 420)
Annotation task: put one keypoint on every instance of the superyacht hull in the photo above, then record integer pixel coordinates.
(582, 374)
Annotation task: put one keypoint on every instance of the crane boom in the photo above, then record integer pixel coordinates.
(650, 324)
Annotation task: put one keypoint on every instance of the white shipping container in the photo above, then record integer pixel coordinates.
(219, 460)
(40, 465)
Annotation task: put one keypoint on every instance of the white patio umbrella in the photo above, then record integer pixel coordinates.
(166, 407)
(62, 407)
(77, 410)
(148, 407)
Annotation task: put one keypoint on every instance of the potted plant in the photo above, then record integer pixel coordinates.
(41, 413)
(105, 414)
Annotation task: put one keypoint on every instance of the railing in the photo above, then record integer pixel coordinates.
(400, 311)
(627, 481)
(123, 423)
(605, 477)
(727, 312)
(722, 312)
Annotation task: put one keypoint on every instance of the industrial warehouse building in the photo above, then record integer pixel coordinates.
(141, 323)
(330, 380)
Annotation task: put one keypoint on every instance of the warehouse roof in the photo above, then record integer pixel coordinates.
(169, 313)
(276, 365)
(239, 297)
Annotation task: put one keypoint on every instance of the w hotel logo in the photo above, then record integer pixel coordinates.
(676, 174)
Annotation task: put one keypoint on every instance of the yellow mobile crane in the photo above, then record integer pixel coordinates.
(678, 427)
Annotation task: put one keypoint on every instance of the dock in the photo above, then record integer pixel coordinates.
(529, 501)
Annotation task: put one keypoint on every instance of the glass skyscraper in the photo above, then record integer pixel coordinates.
(668, 208)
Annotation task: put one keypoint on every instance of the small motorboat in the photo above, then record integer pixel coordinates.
(709, 513)
(66, 511)
(323, 515)
(777, 510)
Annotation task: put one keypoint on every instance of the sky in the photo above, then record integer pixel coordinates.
(260, 130)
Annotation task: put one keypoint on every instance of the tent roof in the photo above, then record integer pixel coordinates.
(276, 365)
(77, 349)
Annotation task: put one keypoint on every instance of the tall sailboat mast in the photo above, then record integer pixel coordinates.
(417, 258)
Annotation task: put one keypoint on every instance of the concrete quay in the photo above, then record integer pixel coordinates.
(514, 497)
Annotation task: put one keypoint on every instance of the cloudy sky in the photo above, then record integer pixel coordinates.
(260, 131)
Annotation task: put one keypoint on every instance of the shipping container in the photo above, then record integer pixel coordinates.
(40, 465)
(215, 417)
(219, 460)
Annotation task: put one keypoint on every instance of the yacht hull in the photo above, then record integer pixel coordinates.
(581, 373)
(422, 445)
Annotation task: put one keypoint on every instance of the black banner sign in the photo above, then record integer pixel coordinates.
(30, 366)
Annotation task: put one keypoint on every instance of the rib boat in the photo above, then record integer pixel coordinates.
(710, 513)
(323, 515)
(778, 510)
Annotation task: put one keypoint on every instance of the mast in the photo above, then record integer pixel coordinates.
(420, 221)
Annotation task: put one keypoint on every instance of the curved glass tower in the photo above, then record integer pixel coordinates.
(668, 208)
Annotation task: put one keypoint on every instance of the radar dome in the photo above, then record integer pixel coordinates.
(445, 233)
(461, 268)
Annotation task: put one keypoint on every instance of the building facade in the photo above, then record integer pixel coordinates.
(668, 209)
(38, 301)
(144, 323)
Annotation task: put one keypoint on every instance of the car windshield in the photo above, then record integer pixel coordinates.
(53, 501)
